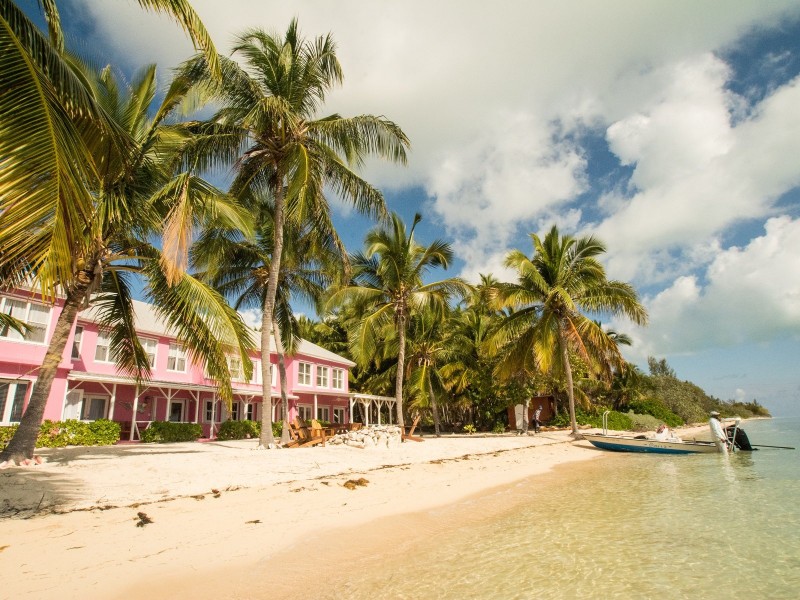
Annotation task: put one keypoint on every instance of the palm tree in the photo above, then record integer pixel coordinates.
(51, 127)
(240, 269)
(138, 192)
(269, 128)
(431, 343)
(557, 286)
(388, 288)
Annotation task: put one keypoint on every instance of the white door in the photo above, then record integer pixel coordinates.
(73, 405)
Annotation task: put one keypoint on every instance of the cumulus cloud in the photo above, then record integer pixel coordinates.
(751, 295)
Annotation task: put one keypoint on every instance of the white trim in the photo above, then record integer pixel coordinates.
(310, 373)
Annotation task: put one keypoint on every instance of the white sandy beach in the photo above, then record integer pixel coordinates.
(222, 512)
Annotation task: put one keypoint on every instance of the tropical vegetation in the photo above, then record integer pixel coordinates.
(102, 187)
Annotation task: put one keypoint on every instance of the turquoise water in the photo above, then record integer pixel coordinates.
(626, 526)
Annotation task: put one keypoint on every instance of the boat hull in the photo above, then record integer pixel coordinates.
(630, 444)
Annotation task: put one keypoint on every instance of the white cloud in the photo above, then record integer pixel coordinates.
(751, 295)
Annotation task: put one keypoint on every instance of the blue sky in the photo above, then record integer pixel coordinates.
(669, 130)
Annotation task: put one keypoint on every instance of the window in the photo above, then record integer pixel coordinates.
(209, 411)
(304, 374)
(338, 379)
(176, 361)
(12, 399)
(322, 377)
(235, 368)
(102, 352)
(36, 316)
(249, 411)
(305, 412)
(235, 411)
(338, 415)
(256, 372)
(76, 342)
(324, 413)
(149, 346)
(90, 408)
(176, 410)
(94, 408)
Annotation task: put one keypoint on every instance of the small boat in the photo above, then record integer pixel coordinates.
(640, 443)
(629, 443)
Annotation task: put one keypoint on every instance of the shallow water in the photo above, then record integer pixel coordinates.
(627, 526)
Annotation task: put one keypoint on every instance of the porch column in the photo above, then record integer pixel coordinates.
(351, 409)
(213, 416)
(112, 402)
(379, 404)
(197, 406)
(316, 413)
(135, 410)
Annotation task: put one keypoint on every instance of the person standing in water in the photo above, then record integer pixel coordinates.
(718, 435)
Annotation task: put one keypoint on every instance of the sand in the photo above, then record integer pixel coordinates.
(221, 519)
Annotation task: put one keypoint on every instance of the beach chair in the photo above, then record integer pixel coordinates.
(408, 432)
(317, 430)
(301, 436)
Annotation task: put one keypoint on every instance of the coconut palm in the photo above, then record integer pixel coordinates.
(557, 287)
(388, 289)
(138, 192)
(269, 128)
(239, 269)
(50, 128)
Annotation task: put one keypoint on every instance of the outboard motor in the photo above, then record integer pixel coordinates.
(740, 441)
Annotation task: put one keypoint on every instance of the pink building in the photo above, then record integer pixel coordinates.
(88, 386)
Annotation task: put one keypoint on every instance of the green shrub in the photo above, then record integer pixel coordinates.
(57, 434)
(469, 428)
(657, 409)
(499, 428)
(616, 420)
(166, 431)
(239, 430)
(643, 422)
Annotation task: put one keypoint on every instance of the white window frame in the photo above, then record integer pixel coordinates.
(249, 412)
(182, 402)
(21, 310)
(337, 374)
(236, 411)
(324, 413)
(235, 368)
(103, 341)
(305, 411)
(177, 353)
(208, 411)
(77, 340)
(256, 378)
(145, 342)
(303, 377)
(14, 389)
(88, 400)
(323, 376)
(338, 414)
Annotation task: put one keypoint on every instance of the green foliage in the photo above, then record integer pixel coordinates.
(683, 398)
(470, 428)
(240, 430)
(58, 434)
(660, 368)
(643, 422)
(166, 431)
(616, 420)
(499, 428)
(655, 408)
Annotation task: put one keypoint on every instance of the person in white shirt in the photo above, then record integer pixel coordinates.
(718, 435)
(663, 433)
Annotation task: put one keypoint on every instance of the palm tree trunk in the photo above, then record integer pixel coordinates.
(570, 389)
(401, 361)
(23, 444)
(267, 440)
(435, 409)
(284, 398)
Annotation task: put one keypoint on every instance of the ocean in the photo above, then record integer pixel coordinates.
(626, 526)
